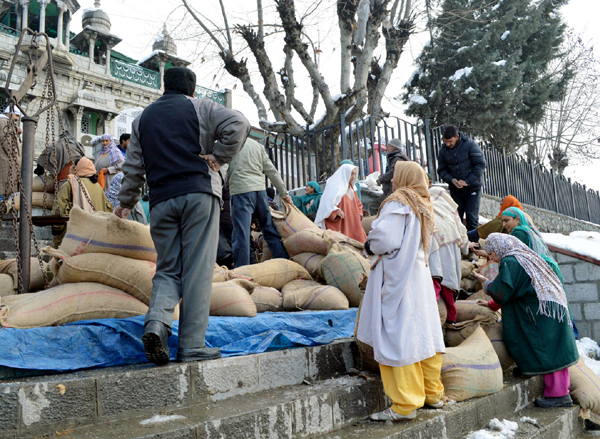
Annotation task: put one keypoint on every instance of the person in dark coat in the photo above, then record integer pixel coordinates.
(537, 327)
(394, 153)
(461, 164)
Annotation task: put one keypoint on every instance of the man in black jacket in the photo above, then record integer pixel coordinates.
(461, 164)
(394, 153)
(178, 144)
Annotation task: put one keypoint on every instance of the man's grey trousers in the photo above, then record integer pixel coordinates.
(185, 231)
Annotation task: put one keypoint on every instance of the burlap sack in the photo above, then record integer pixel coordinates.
(39, 183)
(470, 285)
(456, 333)
(443, 310)
(317, 241)
(585, 391)
(36, 275)
(367, 221)
(291, 220)
(469, 310)
(494, 333)
(132, 276)
(267, 255)
(471, 369)
(367, 356)
(274, 273)
(14, 299)
(37, 199)
(347, 271)
(466, 268)
(8, 283)
(230, 299)
(220, 274)
(104, 232)
(267, 299)
(299, 284)
(70, 303)
(479, 295)
(316, 298)
(310, 261)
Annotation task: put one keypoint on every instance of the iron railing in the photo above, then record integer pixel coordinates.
(9, 30)
(300, 159)
(133, 73)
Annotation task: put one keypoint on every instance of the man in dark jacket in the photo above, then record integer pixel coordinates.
(394, 153)
(178, 144)
(461, 164)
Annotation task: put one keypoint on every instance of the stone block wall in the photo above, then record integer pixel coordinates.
(582, 285)
(545, 220)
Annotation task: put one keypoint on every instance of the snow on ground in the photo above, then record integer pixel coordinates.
(583, 243)
(497, 430)
(483, 220)
(161, 419)
(589, 351)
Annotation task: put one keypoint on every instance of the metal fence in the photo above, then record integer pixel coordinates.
(302, 159)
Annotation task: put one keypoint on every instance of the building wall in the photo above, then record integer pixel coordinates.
(545, 220)
(582, 285)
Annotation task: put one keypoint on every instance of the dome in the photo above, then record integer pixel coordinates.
(96, 18)
(165, 42)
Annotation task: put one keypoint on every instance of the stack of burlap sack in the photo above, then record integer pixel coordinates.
(42, 194)
(327, 271)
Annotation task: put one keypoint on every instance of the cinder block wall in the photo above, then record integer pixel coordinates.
(582, 285)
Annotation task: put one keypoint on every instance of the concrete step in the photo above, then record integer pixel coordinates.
(35, 406)
(453, 421)
(288, 412)
(560, 423)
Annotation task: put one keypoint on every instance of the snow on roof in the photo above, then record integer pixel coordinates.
(500, 63)
(460, 73)
(418, 99)
(582, 243)
(147, 57)
(504, 35)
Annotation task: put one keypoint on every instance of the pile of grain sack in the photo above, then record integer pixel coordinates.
(104, 269)
(42, 194)
(327, 271)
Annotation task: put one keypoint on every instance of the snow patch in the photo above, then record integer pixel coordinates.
(500, 63)
(147, 57)
(589, 351)
(582, 243)
(496, 7)
(432, 94)
(505, 35)
(483, 220)
(460, 49)
(529, 420)
(417, 99)
(412, 76)
(161, 419)
(339, 96)
(460, 73)
(469, 90)
(497, 429)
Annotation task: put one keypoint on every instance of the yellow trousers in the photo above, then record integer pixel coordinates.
(411, 387)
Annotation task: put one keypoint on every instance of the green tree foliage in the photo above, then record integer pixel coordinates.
(486, 68)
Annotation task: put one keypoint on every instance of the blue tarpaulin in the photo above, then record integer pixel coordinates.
(117, 342)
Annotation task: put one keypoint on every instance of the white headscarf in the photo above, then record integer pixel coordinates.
(336, 187)
(547, 285)
(450, 227)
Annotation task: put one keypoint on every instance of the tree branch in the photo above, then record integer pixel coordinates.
(201, 23)
(229, 40)
(346, 10)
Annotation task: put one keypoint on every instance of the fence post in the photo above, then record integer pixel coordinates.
(343, 136)
(572, 199)
(506, 187)
(554, 188)
(429, 148)
(587, 203)
(535, 200)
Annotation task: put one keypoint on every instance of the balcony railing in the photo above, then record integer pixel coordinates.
(213, 95)
(133, 73)
(77, 51)
(9, 30)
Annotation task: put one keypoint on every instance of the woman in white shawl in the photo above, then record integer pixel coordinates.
(399, 315)
(446, 246)
(340, 208)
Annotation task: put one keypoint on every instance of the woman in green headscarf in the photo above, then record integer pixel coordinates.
(309, 202)
(349, 162)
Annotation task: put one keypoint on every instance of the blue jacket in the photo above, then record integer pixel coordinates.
(464, 162)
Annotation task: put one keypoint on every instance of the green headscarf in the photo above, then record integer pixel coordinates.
(349, 162)
(302, 200)
(536, 242)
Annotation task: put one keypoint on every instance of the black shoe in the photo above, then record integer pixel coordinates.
(545, 402)
(197, 354)
(155, 342)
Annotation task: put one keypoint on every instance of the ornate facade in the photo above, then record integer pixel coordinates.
(99, 90)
